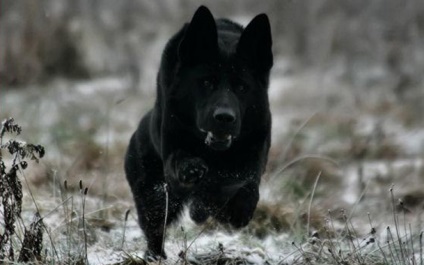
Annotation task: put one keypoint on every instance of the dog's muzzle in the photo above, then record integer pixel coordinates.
(218, 142)
(222, 126)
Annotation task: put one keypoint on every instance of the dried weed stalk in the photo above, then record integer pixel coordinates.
(11, 196)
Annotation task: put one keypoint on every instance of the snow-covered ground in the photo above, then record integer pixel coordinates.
(85, 127)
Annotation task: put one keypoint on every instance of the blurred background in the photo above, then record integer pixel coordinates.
(364, 42)
(347, 85)
(78, 75)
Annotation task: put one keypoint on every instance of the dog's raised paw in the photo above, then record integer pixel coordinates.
(191, 171)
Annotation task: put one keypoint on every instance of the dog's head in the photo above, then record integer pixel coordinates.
(221, 76)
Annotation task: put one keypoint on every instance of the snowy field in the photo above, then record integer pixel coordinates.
(85, 127)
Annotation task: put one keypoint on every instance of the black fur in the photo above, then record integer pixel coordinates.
(208, 135)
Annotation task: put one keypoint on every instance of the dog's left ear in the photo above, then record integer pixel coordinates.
(200, 41)
(255, 44)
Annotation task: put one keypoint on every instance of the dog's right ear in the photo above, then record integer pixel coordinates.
(200, 41)
(255, 44)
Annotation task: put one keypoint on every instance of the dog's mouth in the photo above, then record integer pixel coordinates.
(219, 142)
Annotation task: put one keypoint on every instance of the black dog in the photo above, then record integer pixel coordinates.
(208, 135)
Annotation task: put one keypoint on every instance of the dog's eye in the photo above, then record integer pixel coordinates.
(241, 88)
(207, 84)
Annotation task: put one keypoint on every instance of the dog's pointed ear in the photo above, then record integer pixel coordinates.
(255, 44)
(200, 41)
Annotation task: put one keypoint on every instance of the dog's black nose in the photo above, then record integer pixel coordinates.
(225, 115)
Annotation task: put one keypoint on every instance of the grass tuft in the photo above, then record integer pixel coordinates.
(346, 246)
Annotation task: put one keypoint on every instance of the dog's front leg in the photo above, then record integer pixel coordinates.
(183, 171)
